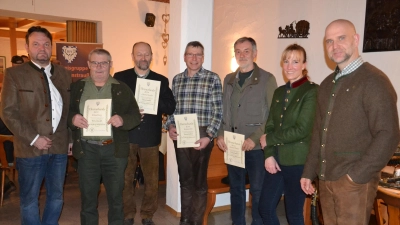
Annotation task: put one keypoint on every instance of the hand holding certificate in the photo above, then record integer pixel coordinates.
(147, 94)
(187, 128)
(234, 155)
(97, 112)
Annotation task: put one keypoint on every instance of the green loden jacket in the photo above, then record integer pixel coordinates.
(290, 122)
(123, 104)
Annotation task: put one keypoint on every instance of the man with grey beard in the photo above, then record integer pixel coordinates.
(145, 138)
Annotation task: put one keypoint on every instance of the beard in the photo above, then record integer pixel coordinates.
(42, 57)
(143, 65)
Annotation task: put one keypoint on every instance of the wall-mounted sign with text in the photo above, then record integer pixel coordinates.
(73, 56)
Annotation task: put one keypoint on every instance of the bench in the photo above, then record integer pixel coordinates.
(216, 171)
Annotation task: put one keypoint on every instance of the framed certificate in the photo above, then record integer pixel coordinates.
(187, 128)
(234, 155)
(97, 112)
(147, 93)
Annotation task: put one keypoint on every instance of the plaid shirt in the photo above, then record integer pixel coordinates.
(200, 94)
(349, 68)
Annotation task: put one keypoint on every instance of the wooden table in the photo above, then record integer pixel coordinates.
(390, 197)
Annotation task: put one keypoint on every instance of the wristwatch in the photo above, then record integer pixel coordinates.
(211, 138)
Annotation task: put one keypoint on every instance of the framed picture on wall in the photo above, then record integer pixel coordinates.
(2, 68)
(382, 26)
(2, 65)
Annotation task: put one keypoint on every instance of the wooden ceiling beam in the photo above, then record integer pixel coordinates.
(6, 34)
(4, 23)
(50, 24)
(27, 22)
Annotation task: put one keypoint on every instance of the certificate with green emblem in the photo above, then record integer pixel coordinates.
(147, 93)
(234, 155)
(97, 112)
(187, 128)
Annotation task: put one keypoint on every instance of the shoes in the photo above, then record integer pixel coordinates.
(184, 222)
(147, 221)
(9, 187)
(225, 180)
(196, 223)
(128, 221)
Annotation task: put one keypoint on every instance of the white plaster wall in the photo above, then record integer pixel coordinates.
(261, 20)
(121, 23)
(190, 21)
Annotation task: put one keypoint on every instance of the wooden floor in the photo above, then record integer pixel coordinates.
(9, 213)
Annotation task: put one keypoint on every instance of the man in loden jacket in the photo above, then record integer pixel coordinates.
(356, 131)
(34, 106)
(101, 156)
(145, 138)
(247, 98)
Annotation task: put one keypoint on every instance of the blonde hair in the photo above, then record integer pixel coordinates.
(295, 48)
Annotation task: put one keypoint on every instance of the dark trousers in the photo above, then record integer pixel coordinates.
(287, 182)
(345, 202)
(254, 163)
(99, 163)
(149, 163)
(192, 169)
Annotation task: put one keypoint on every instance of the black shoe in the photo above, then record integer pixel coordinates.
(225, 180)
(128, 221)
(184, 222)
(147, 221)
(9, 187)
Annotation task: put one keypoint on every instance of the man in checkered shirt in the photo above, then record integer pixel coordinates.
(196, 90)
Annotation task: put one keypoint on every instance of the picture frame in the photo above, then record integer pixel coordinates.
(2, 64)
(382, 26)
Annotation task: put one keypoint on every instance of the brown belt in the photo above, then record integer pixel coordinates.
(101, 142)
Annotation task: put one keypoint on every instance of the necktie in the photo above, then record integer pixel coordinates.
(47, 87)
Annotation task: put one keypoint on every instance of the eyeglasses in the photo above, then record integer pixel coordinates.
(104, 64)
(198, 55)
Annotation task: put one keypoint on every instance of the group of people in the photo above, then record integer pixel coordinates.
(341, 132)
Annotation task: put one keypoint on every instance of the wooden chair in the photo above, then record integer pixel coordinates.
(387, 200)
(4, 164)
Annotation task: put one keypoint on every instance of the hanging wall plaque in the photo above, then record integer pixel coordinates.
(295, 30)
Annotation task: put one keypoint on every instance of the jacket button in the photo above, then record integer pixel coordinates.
(46, 105)
(239, 105)
(235, 127)
(47, 120)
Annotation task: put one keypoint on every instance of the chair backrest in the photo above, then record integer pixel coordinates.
(3, 159)
(217, 166)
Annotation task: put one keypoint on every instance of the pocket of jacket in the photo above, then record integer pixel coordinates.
(253, 124)
(24, 90)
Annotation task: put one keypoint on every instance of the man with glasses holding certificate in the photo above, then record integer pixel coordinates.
(198, 96)
(154, 98)
(247, 97)
(102, 111)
